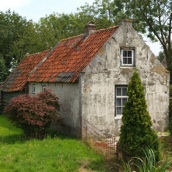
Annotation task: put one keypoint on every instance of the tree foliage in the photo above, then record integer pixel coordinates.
(17, 36)
(3, 69)
(161, 56)
(105, 13)
(34, 114)
(136, 132)
(56, 26)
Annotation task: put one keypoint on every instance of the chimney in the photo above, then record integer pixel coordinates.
(90, 28)
(127, 22)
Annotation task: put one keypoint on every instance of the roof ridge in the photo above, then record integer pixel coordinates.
(102, 29)
(108, 28)
(65, 39)
(27, 54)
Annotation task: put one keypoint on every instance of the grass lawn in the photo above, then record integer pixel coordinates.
(58, 154)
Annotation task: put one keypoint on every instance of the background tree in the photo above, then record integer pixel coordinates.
(56, 26)
(136, 132)
(13, 43)
(154, 18)
(161, 56)
(3, 69)
(105, 13)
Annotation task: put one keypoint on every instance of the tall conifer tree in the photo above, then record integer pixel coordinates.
(136, 132)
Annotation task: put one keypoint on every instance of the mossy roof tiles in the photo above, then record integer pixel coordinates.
(18, 78)
(70, 57)
(62, 64)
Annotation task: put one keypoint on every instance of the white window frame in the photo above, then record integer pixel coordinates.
(127, 57)
(43, 88)
(120, 99)
(33, 89)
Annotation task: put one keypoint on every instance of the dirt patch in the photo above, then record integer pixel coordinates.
(84, 166)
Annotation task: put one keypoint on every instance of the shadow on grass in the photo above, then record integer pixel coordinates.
(21, 138)
(100, 165)
(11, 139)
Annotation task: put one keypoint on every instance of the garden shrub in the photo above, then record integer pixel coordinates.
(50, 99)
(34, 114)
(136, 131)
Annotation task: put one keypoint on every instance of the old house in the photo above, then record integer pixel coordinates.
(16, 83)
(89, 73)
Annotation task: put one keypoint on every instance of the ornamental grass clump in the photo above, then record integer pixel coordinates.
(146, 164)
(136, 131)
(34, 114)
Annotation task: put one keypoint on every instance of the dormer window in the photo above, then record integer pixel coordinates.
(127, 57)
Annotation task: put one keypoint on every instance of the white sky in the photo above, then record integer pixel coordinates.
(35, 9)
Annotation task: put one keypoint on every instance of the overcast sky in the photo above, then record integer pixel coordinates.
(35, 9)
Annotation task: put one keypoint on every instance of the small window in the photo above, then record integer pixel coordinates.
(33, 89)
(43, 88)
(120, 99)
(127, 57)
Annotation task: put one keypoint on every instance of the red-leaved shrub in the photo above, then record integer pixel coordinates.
(34, 114)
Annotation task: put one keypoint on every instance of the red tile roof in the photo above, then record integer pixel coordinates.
(63, 64)
(18, 78)
(71, 56)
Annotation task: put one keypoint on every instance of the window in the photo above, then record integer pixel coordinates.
(43, 88)
(33, 89)
(127, 57)
(120, 98)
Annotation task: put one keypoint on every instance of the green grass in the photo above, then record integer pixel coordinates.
(58, 154)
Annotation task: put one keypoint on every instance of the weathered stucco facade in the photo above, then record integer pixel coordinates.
(105, 72)
(87, 71)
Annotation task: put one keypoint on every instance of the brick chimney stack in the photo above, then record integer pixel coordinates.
(90, 28)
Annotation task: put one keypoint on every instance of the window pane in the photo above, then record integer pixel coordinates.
(129, 53)
(118, 102)
(124, 91)
(118, 91)
(118, 111)
(124, 53)
(125, 61)
(129, 60)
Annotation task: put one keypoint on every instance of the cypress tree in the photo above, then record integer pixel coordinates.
(136, 131)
